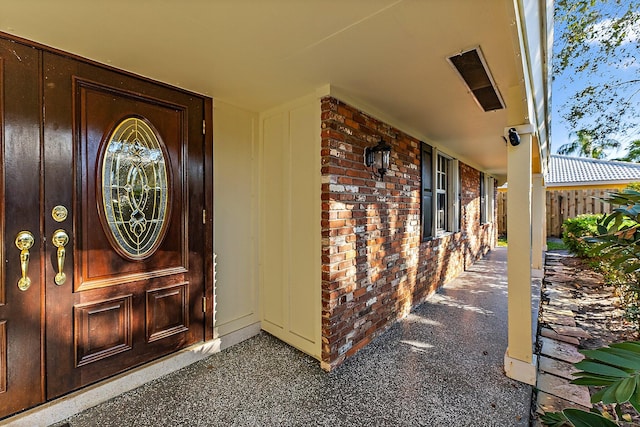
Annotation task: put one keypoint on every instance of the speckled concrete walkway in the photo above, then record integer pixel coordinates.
(441, 366)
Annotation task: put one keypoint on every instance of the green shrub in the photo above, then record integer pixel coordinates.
(575, 229)
(618, 246)
(635, 186)
(619, 232)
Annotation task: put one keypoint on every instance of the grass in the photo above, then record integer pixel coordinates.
(552, 245)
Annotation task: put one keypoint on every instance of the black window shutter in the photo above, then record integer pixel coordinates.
(459, 195)
(427, 192)
(483, 200)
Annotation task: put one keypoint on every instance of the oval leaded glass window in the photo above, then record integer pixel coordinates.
(135, 188)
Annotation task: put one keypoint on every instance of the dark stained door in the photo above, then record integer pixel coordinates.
(21, 383)
(125, 158)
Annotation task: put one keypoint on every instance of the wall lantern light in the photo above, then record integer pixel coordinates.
(378, 158)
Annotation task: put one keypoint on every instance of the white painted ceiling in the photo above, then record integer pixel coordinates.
(390, 54)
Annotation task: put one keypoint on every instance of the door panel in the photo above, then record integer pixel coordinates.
(167, 311)
(112, 318)
(21, 383)
(120, 307)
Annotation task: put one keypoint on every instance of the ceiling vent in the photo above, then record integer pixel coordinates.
(473, 69)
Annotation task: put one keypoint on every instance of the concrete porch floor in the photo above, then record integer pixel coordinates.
(440, 366)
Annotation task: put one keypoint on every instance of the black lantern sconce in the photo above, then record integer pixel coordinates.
(378, 158)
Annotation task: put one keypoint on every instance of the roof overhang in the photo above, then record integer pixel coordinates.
(387, 55)
(599, 184)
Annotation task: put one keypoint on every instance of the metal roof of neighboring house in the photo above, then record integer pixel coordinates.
(565, 170)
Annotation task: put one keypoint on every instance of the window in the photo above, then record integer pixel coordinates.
(442, 174)
(440, 182)
(483, 199)
(486, 198)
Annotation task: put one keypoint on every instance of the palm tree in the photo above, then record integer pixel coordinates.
(585, 145)
(633, 152)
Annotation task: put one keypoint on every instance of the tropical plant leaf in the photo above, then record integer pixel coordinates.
(625, 389)
(595, 367)
(554, 419)
(594, 381)
(612, 359)
(632, 268)
(635, 398)
(607, 220)
(618, 262)
(581, 418)
(633, 346)
(597, 396)
(587, 375)
(609, 395)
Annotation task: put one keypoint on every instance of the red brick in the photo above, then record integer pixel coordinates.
(365, 292)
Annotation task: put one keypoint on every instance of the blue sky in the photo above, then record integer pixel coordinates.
(570, 81)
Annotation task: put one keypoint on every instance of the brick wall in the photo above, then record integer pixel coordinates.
(375, 267)
(479, 238)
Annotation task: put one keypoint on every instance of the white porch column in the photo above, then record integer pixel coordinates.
(519, 361)
(538, 230)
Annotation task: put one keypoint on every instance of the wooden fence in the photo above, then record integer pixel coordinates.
(561, 204)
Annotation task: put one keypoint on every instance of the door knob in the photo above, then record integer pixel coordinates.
(60, 239)
(24, 242)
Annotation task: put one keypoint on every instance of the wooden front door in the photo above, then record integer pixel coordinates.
(125, 157)
(103, 180)
(21, 383)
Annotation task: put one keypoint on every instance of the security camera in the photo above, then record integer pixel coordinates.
(514, 138)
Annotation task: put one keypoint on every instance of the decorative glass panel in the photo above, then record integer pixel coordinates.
(135, 188)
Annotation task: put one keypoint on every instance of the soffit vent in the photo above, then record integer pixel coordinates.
(473, 69)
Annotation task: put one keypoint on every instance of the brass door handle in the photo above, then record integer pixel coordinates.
(24, 242)
(60, 239)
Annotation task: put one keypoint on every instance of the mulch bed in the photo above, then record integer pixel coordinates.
(598, 309)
